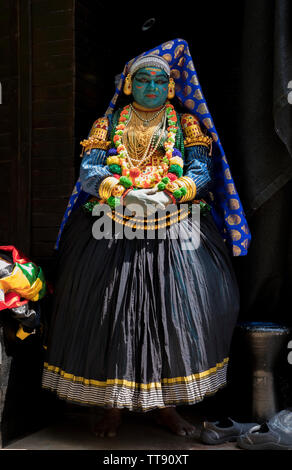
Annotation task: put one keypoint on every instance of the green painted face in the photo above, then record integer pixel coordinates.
(150, 87)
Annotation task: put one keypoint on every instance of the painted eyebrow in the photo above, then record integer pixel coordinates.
(145, 74)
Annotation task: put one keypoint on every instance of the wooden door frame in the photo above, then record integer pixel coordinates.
(21, 121)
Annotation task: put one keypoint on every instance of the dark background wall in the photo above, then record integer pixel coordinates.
(52, 163)
(59, 59)
(14, 167)
(37, 116)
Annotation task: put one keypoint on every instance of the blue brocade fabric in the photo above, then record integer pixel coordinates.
(227, 209)
(198, 166)
(93, 170)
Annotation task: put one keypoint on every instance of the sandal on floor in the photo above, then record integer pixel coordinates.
(276, 434)
(215, 433)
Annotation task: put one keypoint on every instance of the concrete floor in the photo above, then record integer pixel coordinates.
(137, 432)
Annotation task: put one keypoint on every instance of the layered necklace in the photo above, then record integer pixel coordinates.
(169, 123)
(142, 141)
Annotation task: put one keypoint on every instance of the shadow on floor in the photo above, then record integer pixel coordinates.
(72, 431)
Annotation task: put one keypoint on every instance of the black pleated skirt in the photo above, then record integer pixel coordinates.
(140, 323)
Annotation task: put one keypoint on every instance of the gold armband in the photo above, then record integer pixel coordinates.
(193, 133)
(203, 140)
(92, 143)
(107, 185)
(97, 137)
(118, 190)
(190, 185)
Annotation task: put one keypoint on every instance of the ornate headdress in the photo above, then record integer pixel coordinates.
(150, 61)
(227, 208)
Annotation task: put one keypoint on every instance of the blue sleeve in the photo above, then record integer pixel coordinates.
(93, 170)
(198, 167)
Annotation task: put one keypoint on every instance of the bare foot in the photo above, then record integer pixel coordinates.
(170, 418)
(109, 423)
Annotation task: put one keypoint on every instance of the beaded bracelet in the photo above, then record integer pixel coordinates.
(171, 186)
(114, 201)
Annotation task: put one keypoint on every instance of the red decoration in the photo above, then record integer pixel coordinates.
(17, 255)
(171, 176)
(134, 172)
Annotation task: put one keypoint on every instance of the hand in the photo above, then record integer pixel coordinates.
(146, 201)
(160, 200)
(137, 200)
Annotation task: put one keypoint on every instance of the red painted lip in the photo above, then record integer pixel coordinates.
(151, 96)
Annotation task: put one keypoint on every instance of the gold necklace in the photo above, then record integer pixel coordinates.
(147, 154)
(147, 121)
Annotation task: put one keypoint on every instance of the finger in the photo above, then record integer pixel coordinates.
(151, 190)
(150, 199)
(158, 204)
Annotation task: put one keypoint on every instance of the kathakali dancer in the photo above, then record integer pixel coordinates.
(145, 323)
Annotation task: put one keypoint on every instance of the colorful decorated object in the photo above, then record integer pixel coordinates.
(21, 282)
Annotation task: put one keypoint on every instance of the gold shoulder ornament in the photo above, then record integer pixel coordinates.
(97, 138)
(192, 132)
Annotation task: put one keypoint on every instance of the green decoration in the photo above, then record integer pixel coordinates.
(177, 193)
(183, 191)
(161, 186)
(165, 179)
(115, 169)
(125, 181)
(176, 169)
(113, 201)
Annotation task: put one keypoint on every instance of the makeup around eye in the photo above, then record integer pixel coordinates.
(159, 81)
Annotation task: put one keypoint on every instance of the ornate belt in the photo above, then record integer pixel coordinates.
(155, 221)
(152, 222)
